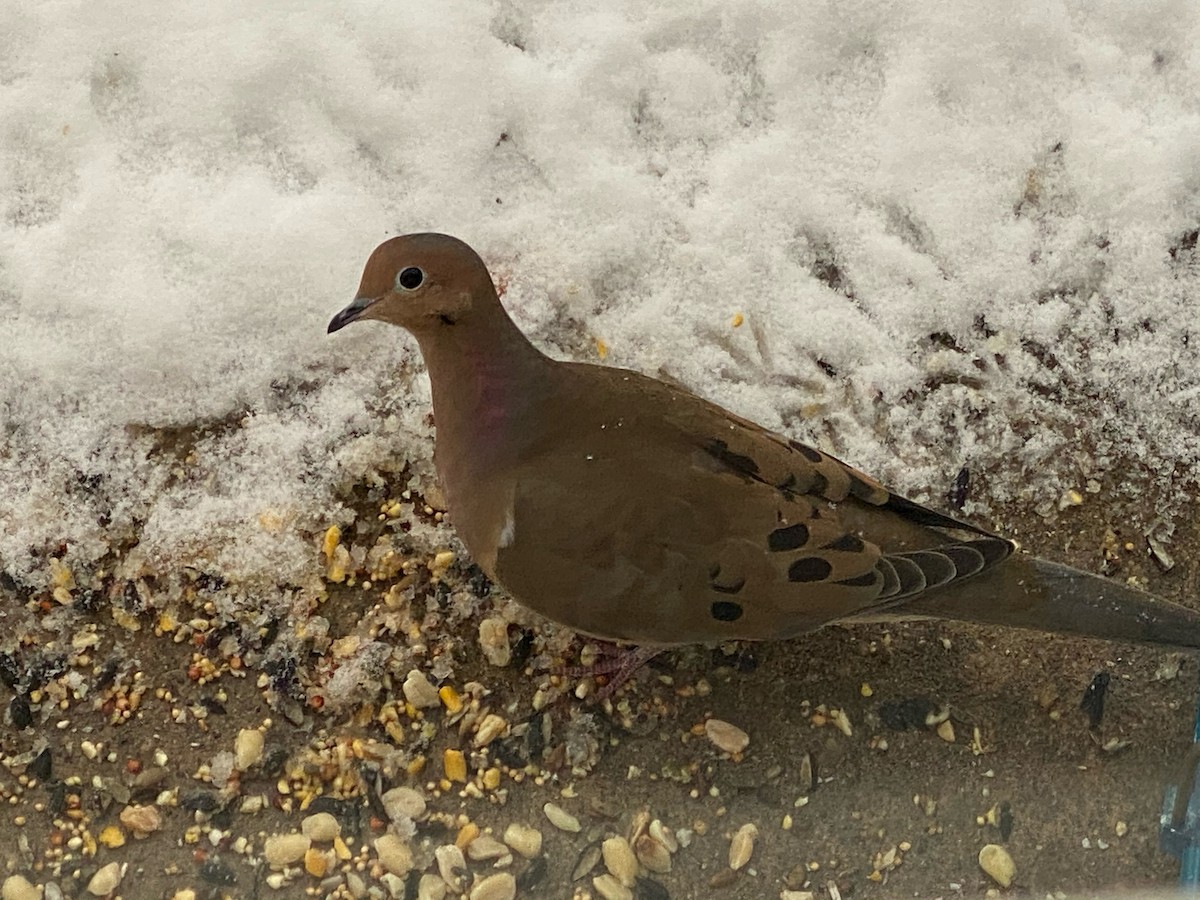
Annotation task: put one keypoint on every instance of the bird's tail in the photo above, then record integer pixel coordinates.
(1027, 592)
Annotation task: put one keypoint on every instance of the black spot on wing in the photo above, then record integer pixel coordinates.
(847, 543)
(787, 486)
(809, 568)
(726, 611)
(791, 537)
(736, 462)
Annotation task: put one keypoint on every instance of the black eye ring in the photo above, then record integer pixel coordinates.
(410, 279)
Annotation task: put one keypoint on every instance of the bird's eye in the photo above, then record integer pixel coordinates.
(410, 279)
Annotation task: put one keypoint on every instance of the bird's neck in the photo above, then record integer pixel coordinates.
(483, 375)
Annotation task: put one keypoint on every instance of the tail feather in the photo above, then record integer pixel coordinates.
(1027, 592)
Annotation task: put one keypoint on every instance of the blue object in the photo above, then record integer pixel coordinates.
(1179, 824)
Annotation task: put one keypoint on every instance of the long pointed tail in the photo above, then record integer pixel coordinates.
(1027, 592)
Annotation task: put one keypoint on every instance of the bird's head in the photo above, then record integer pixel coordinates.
(421, 282)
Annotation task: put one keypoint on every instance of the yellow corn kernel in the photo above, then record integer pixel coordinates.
(454, 764)
(450, 699)
(333, 537)
(466, 834)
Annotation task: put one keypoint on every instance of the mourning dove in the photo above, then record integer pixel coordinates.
(633, 511)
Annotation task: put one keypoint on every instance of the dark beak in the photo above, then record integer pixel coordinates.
(357, 307)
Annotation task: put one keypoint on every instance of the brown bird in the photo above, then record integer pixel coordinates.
(631, 510)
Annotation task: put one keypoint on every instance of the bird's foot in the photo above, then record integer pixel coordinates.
(612, 662)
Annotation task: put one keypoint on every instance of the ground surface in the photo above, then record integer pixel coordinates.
(1083, 818)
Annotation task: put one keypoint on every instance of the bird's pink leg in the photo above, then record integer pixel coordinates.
(618, 664)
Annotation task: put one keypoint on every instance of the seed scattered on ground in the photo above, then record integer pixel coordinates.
(620, 860)
(664, 835)
(491, 727)
(404, 802)
(454, 764)
(450, 864)
(487, 847)
(18, 887)
(394, 854)
(560, 818)
(610, 887)
(807, 773)
(321, 827)
(450, 699)
(501, 886)
(726, 737)
(524, 839)
(652, 853)
(419, 691)
(431, 887)
(493, 640)
(742, 846)
(247, 749)
(285, 849)
(465, 835)
(841, 721)
(589, 858)
(722, 879)
(998, 864)
(142, 821)
(106, 879)
(316, 862)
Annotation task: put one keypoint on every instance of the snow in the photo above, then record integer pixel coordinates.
(188, 194)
